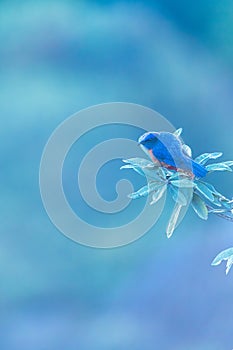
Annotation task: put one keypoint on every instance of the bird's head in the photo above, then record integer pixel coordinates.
(148, 140)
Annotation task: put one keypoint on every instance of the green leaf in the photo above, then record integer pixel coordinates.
(140, 162)
(162, 173)
(229, 264)
(154, 174)
(173, 220)
(142, 192)
(203, 158)
(229, 162)
(178, 132)
(226, 203)
(177, 195)
(218, 167)
(187, 150)
(204, 190)
(145, 168)
(135, 168)
(158, 194)
(199, 207)
(146, 190)
(150, 173)
(212, 189)
(183, 183)
(227, 255)
(219, 199)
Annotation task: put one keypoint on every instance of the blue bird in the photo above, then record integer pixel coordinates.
(167, 149)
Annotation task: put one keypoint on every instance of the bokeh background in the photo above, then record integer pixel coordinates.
(58, 57)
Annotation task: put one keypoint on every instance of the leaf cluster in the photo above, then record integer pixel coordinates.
(185, 190)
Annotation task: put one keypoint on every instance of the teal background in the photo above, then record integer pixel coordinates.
(58, 57)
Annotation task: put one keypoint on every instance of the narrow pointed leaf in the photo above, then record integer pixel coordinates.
(187, 150)
(212, 189)
(177, 195)
(145, 190)
(127, 166)
(226, 203)
(141, 162)
(227, 255)
(135, 168)
(203, 158)
(178, 132)
(158, 194)
(229, 264)
(199, 207)
(162, 173)
(150, 173)
(173, 220)
(229, 162)
(218, 167)
(154, 174)
(227, 200)
(185, 183)
(224, 255)
(218, 197)
(217, 202)
(144, 168)
(204, 190)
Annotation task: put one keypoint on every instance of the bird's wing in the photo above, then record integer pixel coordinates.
(168, 149)
(164, 156)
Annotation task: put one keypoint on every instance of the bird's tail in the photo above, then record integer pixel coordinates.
(198, 170)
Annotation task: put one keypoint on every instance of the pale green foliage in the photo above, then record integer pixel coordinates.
(199, 206)
(224, 255)
(205, 198)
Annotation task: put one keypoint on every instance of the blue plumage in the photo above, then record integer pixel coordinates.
(167, 149)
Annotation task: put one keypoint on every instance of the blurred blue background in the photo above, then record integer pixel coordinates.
(58, 57)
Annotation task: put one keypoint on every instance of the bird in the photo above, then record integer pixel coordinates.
(166, 149)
